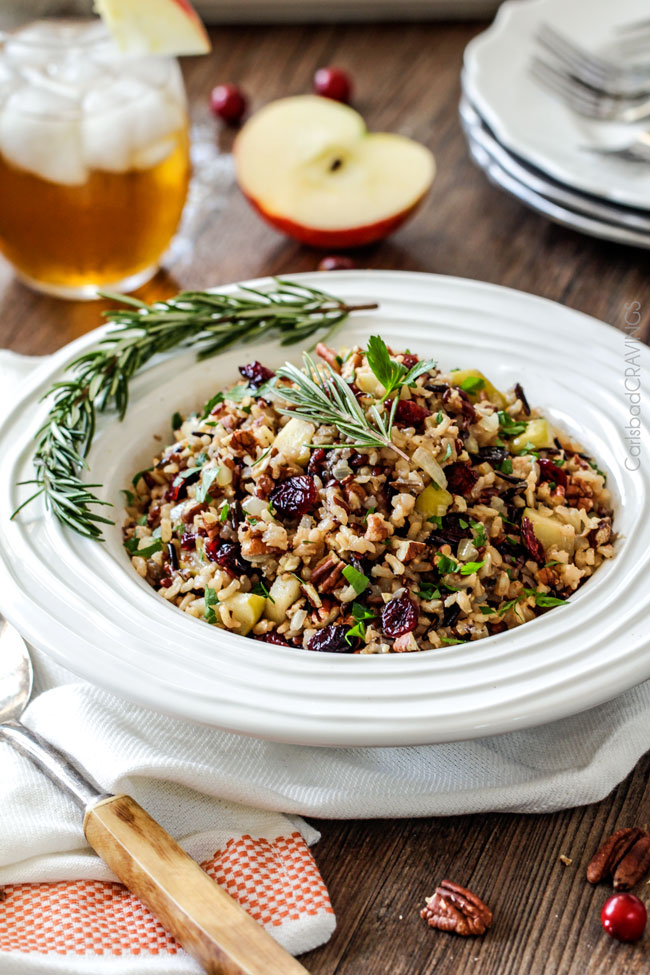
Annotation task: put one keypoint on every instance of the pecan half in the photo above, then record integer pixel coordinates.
(327, 575)
(453, 908)
(609, 855)
(634, 865)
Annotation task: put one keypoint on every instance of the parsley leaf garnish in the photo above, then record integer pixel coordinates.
(210, 405)
(357, 580)
(469, 568)
(446, 565)
(207, 480)
(390, 373)
(211, 601)
(510, 427)
(473, 384)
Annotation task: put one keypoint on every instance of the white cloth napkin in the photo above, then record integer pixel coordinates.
(208, 788)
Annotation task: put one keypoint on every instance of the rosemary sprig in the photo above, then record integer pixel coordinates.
(322, 396)
(100, 378)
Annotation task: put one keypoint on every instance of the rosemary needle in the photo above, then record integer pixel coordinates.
(100, 377)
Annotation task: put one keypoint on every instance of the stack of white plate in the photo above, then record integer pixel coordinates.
(531, 144)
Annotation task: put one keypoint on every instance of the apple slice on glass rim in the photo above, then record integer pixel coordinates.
(170, 27)
(310, 167)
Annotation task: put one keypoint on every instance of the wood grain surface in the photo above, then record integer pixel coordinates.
(546, 917)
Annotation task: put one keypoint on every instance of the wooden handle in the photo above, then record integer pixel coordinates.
(203, 918)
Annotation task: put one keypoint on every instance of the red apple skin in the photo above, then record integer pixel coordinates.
(336, 239)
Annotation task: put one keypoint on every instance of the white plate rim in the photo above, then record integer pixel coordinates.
(352, 700)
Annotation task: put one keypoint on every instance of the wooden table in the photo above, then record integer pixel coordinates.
(378, 873)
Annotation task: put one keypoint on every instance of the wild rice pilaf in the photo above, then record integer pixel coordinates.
(479, 518)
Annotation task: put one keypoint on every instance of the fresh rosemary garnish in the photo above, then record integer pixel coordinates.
(100, 377)
(320, 395)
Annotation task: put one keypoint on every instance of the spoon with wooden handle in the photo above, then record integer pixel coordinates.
(203, 918)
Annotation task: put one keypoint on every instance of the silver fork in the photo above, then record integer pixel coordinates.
(585, 100)
(594, 70)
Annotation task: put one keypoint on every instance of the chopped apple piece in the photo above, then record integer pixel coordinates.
(154, 26)
(433, 501)
(310, 167)
(551, 532)
(367, 382)
(293, 438)
(476, 382)
(247, 608)
(282, 594)
(538, 432)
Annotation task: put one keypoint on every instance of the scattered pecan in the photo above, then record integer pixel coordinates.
(407, 550)
(634, 865)
(327, 575)
(579, 494)
(609, 855)
(461, 478)
(546, 576)
(453, 908)
(263, 486)
(601, 534)
(188, 516)
(242, 440)
(329, 355)
(377, 528)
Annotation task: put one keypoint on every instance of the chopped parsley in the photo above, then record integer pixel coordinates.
(451, 641)
(428, 591)
(238, 392)
(469, 568)
(506, 466)
(390, 373)
(370, 511)
(177, 421)
(447, 453)
(360, 614)
(132, 546)
(202, 492)
(140, 474)
(356, 579)
(446, 565)
(223, 513)
(529, 449)
(510, 427)
(480, 537)
(439, 417)
(260, 590)
(210, 405)
(130, 497)
(436, 520)
(543, 599)
(211, 600)
(473, 384)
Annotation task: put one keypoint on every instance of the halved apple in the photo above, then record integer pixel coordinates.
(154, 26)
(311, 168)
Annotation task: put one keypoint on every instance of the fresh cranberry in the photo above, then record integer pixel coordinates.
(336, 262)
(624, 917)
(461, 478)
(295, 496)
(229, 103)
(331, 639)
(333, 83)
(548, 471)
(256, 374)
(531, 541)
(228, 556)
(317, 461)
(409, 360)
(399, 616)
(410, 414)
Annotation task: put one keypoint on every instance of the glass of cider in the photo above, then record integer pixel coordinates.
(94, 158)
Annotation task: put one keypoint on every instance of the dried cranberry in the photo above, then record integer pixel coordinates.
(188, 540)
(399, 616)
(461, 478)
(295, 496)
(178, 488)
(409, 360)
(317, 461)
(531, 541)
(467, 409)
(273, 637)
(256, 374)
(228, 556)
(331, 639)
(410, 414)
(451, 532)
(166, 583)
(548, 471)
(358, 460)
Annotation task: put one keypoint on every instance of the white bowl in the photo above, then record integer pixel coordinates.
(81, 601)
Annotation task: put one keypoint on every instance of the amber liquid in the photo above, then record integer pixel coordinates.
(100, 233)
